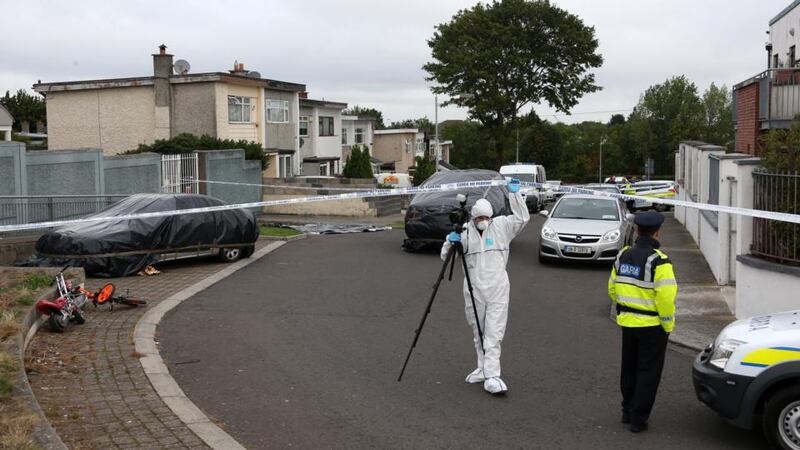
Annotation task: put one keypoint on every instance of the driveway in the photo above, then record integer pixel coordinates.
(303, 348)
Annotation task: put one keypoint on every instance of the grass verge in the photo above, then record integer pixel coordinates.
(278, 231)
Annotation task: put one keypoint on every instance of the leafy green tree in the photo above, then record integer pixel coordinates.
(541, 143)
(671, 112)
(781, 149)
(368, 112)
(358, 164)
(187, 143)
(423, 124)
(24, 107)
(425, 168)
(495, 59)
(717, 116)
(470, 146)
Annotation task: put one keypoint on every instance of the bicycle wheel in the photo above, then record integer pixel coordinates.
(130, 301)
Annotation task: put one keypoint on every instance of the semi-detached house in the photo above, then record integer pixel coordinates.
(117, 115)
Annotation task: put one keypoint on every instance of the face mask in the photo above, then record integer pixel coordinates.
(482, 225)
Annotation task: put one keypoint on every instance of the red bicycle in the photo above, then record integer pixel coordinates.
(106, 295)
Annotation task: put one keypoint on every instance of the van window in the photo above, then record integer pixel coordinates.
(525, 177)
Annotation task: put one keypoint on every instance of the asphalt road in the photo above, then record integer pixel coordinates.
(303, 348)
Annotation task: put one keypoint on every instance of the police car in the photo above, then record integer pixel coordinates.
(750, 375)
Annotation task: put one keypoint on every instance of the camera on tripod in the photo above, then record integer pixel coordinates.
(460, 215)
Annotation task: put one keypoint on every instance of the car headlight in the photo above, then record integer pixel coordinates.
(723, 351)
(611, 236)
(548, 233)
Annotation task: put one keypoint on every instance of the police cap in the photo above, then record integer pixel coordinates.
(649, 220)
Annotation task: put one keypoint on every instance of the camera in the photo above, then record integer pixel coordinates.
(460, 215)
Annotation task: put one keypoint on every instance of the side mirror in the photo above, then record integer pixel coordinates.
(630, 217)
(544, 213)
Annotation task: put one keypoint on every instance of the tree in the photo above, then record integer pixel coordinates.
(187, 143)
(670, 112)
(616, 119)
(423, 124)
(717, 116)
(498, 58)
(425, 168)
(366, 112)
(24, 107)
(358, 163)
(781, 149)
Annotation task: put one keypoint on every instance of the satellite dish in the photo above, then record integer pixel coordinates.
(181, 67)
(253, 74)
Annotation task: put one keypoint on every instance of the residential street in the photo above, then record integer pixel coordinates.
(303, 349)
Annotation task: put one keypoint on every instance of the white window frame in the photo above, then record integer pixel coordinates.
(344, 136)
(323, 169)
(246, 106)
(280, 107)
(304, 120)
(321, 128)
(285, 168)
(359, 136)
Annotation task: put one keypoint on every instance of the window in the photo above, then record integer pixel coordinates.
(775, 61)
(285, 166)
(303, 126)
(791, 56)
(420, 147)
(278, 111)
(323, 170)
(359, 135)
(408, 146)
(239, 109)
(325, 126)
(344, 136)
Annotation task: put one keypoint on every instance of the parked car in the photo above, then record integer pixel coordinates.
(124, 247)
(535, 198)
(655, 189)
(612, 188)
(585, 228)
(427, 220)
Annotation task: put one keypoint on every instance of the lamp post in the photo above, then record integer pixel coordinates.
(438, 149)
(600, 172)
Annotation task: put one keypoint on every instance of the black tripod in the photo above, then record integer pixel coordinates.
(456, 249)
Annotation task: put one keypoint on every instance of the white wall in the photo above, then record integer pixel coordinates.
(760, 292)
(780, 37)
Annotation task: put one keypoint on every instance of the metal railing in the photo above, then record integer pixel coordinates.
(44, 208)
(778, 94)
(774, 240)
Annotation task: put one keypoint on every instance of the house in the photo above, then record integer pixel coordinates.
(117, 115)
(357, 131)
(320, 145)
(770, 99)
(6, 121)
(398, 148)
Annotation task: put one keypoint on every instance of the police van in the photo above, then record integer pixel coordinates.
(750, 375)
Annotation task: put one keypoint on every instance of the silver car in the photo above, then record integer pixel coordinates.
(585, 228)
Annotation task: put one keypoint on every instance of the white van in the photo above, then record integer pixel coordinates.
(532, 173)
(751, 374)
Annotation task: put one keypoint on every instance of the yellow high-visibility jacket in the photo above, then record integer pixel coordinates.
(642, 279)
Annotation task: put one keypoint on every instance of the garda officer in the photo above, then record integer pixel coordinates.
(643, 288)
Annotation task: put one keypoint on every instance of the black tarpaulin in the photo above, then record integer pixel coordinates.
(124, 247)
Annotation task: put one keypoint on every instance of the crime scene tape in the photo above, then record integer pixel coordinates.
(771, 215)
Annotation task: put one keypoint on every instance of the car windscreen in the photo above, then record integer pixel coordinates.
(603, 189)
(586, 208)
(524, 177)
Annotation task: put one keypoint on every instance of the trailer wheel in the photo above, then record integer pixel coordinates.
(781, 419)
(58, 322)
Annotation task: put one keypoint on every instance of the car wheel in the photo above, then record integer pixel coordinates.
(230, 254)
(660, 207)
(782, 417)
(248, 251)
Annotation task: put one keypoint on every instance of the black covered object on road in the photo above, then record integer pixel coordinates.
(427, 219)
(124, 247)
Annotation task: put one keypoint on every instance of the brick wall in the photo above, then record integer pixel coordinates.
(747, 119)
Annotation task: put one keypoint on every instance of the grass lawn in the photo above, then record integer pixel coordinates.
(398, 225)
(278, 231)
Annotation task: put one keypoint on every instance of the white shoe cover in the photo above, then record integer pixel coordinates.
(495, 386)
(476, 376)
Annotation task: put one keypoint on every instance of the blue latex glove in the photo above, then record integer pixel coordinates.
(453, 237)
(513, 185)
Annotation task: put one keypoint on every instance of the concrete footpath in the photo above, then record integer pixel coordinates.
(701, 310)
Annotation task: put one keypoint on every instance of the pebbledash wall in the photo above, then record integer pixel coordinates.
(89, 172)
(707, 174)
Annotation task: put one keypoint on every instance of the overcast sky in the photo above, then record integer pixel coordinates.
(370, 53)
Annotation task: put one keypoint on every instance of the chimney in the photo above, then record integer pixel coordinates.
(162, 69)
(238, 69)
(303, 94)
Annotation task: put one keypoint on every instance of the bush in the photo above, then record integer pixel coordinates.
(187, 143)
(425, 168)
(357, 164)
(781, 150)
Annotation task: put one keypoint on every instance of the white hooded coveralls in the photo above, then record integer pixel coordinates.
(487, 256)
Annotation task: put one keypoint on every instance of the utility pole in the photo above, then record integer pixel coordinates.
(517, 144)
(600, 172)
(437, 150)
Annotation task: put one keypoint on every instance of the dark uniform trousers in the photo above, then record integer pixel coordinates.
(643, 351)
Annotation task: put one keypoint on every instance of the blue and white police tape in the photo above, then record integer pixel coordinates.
(771, 215)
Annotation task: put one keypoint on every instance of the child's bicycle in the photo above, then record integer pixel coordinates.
(106, 295)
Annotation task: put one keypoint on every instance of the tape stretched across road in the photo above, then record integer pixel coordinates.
(784, 217)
